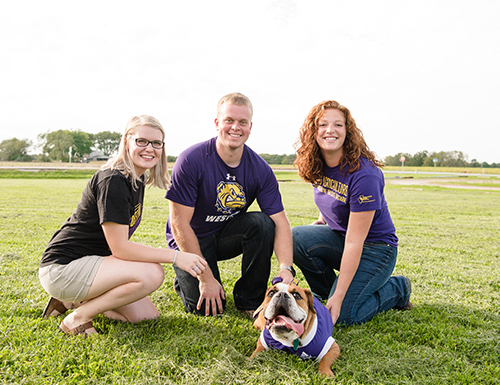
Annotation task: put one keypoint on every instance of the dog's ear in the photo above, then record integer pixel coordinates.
(258, 315)
(310, 301)
(260, 321)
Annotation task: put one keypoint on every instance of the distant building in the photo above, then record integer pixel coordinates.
(96, 156)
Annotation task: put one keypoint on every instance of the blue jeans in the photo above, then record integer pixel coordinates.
(250, 234)
(317, 251)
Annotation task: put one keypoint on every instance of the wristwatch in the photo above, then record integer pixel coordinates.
(290, 269)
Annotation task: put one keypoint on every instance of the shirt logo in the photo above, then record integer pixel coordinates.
(335, 189)
(230, 197)
(365, 199)
(135, 220)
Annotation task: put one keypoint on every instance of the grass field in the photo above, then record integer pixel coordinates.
(449, 247)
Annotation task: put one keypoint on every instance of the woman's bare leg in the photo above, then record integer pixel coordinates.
(121, 287)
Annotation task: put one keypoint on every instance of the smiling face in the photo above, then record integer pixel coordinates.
(331, 135)
(233, 124)
(144, 158)
(287, 312)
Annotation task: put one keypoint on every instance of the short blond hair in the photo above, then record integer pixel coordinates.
(237, 99)
(156, 176)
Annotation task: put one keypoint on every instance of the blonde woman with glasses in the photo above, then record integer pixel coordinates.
(90, 264)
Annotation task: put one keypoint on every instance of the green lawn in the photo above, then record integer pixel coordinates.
(449, 247)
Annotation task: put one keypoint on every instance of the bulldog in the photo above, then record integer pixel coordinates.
(291, 319)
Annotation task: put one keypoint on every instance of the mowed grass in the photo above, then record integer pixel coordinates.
(449, 247)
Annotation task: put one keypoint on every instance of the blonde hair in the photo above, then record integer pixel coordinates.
(309, 160)
(237, 99)
(156, 176)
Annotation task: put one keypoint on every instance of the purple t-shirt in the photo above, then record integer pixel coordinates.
(341, 193)
(202, 180)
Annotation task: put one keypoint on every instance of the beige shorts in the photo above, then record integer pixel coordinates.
(71, 282)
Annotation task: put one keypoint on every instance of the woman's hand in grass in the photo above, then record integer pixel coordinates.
(334, 305)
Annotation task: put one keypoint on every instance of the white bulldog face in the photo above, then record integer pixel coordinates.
(286, 310)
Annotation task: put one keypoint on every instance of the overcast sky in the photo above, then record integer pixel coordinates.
(416, 75)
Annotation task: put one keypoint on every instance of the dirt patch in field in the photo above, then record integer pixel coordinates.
(447, 183)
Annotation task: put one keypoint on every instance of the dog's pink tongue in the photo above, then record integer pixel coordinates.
(289, 324)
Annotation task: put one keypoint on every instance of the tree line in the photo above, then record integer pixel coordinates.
(420, 159)
(279, 159)
(440, 159)
(55, 146)
(60, 145)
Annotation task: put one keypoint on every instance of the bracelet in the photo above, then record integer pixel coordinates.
(175, 257)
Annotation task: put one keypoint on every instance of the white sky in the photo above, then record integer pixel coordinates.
(416, 75)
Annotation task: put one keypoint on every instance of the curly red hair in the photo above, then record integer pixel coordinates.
(309, 160)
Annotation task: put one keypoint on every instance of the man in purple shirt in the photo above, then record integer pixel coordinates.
(213, 185)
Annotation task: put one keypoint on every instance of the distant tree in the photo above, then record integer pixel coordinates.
(42, 158)
(107, 141)
(429, 161)
(266, 157)
(289, 159)
(459, 158)
(82, 144)
(448, 159)
(409, 161)
(474, 163)
(389, 160)
(424, 158)
(56, 144)
(417, 160)
(395, 160)
(275, 158)
(14, 149)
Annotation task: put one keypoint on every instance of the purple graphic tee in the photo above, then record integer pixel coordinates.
(218, 193)
(341, 193)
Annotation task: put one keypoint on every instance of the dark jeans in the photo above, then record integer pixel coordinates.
(317, 251)
(250, 234)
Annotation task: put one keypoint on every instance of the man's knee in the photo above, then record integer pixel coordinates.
(298, 234)
(262, 223)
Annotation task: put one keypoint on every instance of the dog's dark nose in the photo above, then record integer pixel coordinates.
(282, 296)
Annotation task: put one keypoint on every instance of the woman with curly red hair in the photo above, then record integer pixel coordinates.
(354, 233)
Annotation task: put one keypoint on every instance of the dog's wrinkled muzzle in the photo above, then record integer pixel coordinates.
(281, 317)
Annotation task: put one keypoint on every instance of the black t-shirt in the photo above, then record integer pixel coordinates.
(108, 197)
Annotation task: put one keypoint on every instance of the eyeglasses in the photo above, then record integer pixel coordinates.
(141, 142)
